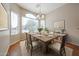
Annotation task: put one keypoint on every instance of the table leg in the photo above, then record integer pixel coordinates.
(45, 48)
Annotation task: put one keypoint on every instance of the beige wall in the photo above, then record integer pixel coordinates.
(69, 13)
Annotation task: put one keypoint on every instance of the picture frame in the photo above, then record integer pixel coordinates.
(3, 18)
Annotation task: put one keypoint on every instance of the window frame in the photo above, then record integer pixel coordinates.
(14, 30)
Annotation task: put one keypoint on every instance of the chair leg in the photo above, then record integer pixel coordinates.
(62, 52)
(31, 52)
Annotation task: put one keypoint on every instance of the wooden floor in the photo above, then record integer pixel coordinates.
(15, 50)
(75, 49)
(19, 49)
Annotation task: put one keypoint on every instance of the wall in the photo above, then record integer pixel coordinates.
(69, 13)
(5, 34)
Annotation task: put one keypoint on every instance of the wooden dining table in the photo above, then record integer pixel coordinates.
(45, 39)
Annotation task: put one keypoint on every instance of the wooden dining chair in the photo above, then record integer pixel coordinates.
(31, 44)
(58, 45)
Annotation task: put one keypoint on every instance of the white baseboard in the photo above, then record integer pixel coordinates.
(9, 47)
(6, 51)
(15, 42)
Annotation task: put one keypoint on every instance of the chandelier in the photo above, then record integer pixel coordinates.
(40, 15)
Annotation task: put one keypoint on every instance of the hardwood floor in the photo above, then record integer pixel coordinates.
(15, 50)
(75, 49)
(19, 49)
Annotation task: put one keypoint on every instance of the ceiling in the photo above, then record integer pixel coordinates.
(44, 7)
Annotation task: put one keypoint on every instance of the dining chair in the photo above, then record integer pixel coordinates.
(58, 45)
(32, 45)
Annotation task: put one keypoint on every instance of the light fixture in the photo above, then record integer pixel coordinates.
(40, 15)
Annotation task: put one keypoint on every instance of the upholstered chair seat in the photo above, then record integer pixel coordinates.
(55, 46)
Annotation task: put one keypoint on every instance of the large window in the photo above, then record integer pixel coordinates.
(42, 23)
(29, 23)
(14, 23)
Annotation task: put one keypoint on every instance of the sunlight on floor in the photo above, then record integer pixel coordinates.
(23, 48)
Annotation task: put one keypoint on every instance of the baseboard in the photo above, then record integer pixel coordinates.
(11, 45)
(15, 42)
(6, 51)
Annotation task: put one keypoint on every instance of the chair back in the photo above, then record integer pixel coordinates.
(62, 48)
(29, 41)
(61, 41)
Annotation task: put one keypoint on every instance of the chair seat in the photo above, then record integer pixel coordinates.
(35, 43)
(55, 46)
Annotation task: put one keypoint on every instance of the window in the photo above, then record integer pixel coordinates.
(30, 16)
(14, 22)
(29, 23)
(42, 23)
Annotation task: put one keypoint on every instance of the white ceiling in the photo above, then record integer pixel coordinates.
(45, 7)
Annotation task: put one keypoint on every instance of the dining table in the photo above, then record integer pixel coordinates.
(44, 38)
